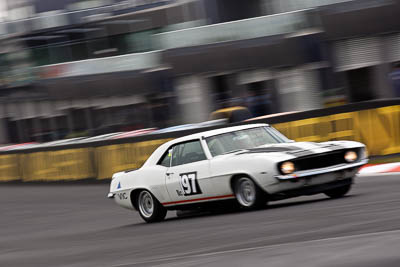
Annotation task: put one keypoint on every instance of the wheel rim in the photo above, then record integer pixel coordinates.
(146, 204)
(246, 192)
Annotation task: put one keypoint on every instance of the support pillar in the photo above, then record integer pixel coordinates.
(194, 98)
(299, 89)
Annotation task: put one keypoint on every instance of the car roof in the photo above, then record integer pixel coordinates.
(152, 160)
(216, 132)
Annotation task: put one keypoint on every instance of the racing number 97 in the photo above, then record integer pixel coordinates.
(189, 184)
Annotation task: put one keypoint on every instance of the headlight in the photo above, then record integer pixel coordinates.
(287, 167)
(350, 156)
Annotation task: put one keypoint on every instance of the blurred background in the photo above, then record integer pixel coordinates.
(89, 88)
(72, 68)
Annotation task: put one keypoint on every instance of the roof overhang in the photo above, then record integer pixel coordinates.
(354, 18)
(265, 52)
(140, 82)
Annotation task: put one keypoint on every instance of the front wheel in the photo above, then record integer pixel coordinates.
(150, 209)
(338, 192)
(248, 194)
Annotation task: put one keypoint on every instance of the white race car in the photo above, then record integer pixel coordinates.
(245, 166)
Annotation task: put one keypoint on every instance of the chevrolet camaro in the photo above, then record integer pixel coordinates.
(244, 166)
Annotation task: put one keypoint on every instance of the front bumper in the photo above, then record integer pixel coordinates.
(320, 171)
(310, 190)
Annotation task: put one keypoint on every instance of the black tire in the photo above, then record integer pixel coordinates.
(248, 195)
(339, 191)
(150, 209)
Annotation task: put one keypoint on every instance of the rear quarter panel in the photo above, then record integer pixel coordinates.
(150, 178)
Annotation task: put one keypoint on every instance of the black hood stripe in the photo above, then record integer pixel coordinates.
(292, 149)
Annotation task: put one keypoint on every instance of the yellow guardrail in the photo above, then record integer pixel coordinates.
(61, 165)
(115, 158)
(9, 168)
(378, 128)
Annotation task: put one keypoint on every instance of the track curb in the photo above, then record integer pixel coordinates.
(380, 168)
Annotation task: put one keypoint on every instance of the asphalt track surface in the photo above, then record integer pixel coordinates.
(75, 225)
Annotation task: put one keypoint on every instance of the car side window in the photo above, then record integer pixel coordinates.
(166, 159)
(176, 152)
(187, 153)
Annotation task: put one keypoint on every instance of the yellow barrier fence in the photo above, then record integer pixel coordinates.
(61, 165)
(114, 158)
(378, 128)
(9, 168)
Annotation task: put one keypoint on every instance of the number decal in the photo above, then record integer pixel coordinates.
(189, 184)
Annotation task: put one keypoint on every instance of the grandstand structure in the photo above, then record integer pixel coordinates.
(70, 68)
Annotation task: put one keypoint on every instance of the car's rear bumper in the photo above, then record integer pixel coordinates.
(314, 172)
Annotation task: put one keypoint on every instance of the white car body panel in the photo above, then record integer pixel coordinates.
(215, 173)
(203, 185)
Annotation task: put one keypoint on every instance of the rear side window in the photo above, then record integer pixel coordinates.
(166, 159)
(187, 153)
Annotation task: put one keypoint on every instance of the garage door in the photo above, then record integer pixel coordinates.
(357, 53)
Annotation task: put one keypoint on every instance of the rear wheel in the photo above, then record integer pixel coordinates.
(338, 192)
(150, 209)
(248, 194)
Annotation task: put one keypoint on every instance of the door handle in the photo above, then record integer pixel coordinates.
(169, 173)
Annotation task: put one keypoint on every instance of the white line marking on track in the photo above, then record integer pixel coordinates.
(186, 256)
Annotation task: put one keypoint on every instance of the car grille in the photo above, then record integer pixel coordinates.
(320, 160)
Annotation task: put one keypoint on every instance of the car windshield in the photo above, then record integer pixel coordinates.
(244, 139)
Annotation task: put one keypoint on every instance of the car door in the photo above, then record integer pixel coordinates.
(188, 178)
